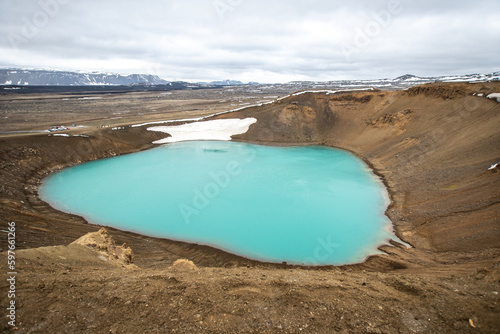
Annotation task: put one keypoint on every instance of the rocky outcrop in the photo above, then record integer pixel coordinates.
(102, 242)
(183, 264)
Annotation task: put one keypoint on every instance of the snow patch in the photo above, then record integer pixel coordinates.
(494, 96)
(327, 91)
(219, 129)
(66, 135)
(90, 98)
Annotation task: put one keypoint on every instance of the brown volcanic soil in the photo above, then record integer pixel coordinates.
(432, 145)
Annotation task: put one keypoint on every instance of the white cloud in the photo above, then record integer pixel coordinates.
(253, 40)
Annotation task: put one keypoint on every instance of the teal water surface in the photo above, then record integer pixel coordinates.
(307, 205)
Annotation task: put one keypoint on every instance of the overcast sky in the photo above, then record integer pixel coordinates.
(253, 40)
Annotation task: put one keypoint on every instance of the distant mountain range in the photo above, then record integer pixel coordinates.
(22, 77)
(25, 77)
(227, 82)
(406, 80)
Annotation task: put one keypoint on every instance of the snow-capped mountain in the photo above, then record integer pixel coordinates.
(495, 76)
(22, 77)
(402, 82)
(227, 82)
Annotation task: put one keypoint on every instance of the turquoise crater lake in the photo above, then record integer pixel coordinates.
(308, 205)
